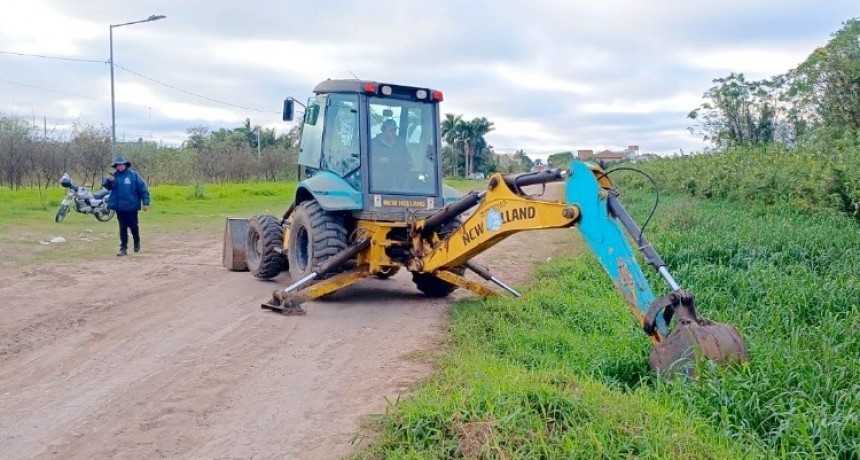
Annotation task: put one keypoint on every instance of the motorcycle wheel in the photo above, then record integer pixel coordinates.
(61, 213)
(104, 216)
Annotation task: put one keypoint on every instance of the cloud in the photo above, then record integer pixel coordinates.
(756, 63)
(552, 74)
(34, 27)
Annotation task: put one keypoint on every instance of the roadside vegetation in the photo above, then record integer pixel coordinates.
(809, 179)
(562, 372)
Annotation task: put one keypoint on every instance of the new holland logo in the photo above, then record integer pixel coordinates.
(495, 220)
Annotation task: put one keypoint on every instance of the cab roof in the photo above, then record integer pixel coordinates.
(354, 86)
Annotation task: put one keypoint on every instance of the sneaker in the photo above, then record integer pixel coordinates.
(137, 246)
(122, 252)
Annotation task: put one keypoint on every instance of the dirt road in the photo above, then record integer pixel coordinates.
(165, 354)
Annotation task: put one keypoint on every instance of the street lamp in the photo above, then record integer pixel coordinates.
(112, 103)
(257, 130)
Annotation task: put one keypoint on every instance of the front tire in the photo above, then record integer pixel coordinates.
(104, 216)
(263, 242)
(61, 213)
(315, 235)
(435, 287)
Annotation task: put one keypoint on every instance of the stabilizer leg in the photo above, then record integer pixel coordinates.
(289, 303)
(485, 273)
(462, 282)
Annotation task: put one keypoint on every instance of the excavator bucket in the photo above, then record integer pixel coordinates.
(692, 341)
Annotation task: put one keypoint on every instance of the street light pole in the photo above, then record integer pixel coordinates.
(112, 100)
(257, 129)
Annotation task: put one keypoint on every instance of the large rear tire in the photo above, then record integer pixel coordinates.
(263, 242)
(315, 235)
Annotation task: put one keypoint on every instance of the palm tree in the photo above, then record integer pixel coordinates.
(468, 135)
(451, 130)
(475, 131)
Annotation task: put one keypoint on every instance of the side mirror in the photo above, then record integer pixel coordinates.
(312, 114)
(288, 109)
(387, 113)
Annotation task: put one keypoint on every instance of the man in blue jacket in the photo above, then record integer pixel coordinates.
(127, 191)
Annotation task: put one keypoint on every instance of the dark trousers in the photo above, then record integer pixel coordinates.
(127, 221)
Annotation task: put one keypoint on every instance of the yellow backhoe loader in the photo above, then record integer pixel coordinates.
(371, 201)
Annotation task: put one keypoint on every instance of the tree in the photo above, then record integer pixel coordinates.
(198, 136)
(559, 160)
(825, 88)
(92, 148)
(523, 161)
(15, 140)
(468, 136)
(474, 132)
(820, 99)
(737, 112)
(451, 129)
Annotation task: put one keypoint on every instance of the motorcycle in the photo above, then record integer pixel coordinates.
(85, 202)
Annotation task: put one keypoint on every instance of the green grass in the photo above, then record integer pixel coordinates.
(27, 218)
(467, 185)
(562, 372)
(790, 282)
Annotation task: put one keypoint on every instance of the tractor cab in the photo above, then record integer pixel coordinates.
(371, 148)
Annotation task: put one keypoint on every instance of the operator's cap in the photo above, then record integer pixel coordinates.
(120, 160)
(389, 124)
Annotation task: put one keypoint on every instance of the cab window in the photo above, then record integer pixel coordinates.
(402, 147)
(340, 145)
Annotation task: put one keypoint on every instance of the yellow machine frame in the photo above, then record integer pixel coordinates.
(513, 214)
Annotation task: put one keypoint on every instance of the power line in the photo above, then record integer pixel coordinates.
(154, 80)
(48, 89)
(42, 88)
(58, 58)
(192, 94)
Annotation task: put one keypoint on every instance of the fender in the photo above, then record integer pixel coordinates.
(331, 191)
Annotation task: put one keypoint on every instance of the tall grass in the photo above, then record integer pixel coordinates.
(791, 283)
(810, 179)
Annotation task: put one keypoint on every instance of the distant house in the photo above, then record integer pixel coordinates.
(630, 153)
(609, 155)
(539, 166)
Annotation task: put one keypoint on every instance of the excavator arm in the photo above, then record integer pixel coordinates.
(590, 204)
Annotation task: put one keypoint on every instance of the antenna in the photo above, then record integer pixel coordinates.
(353, 75)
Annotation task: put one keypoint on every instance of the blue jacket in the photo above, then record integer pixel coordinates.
(127, 191)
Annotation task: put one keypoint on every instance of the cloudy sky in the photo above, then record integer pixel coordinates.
(552, 75)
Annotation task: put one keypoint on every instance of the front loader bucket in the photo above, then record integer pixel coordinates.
(692, 340)
(233, 256)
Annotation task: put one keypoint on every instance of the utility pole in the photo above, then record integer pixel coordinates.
(112, 102)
